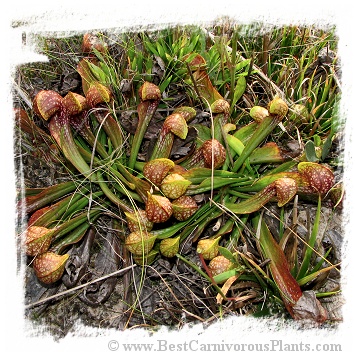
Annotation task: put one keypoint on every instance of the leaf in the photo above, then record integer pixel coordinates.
(310, 151)
(286, 283)
(227, 254)
(239, 90)
(203, 133)
(226, 286)
(242, 64)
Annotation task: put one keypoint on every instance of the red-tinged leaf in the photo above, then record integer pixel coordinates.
(204, 85)
(27, 125)
(111, 127)
(289, 289)
(48, 195)
(150, 98)
(38, 214)
(268, 153)
(60, 129)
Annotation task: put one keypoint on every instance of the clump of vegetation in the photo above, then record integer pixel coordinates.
(184, 147)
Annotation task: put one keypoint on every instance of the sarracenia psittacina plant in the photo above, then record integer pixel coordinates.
(174, 185)
(277, 109)
(38, 239)
(204, 87)
(99, 97)
(47, 195)
(169, 246)
(174, 124)
(283, 189)
(138, 221)
(208, 248)
(49, 105)
(219, 265)
(211, 154)
(220, 110)
(312, 179)
(150, 97)
(92, 42)
(61, 210)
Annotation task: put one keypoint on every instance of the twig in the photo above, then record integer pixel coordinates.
(78, 287)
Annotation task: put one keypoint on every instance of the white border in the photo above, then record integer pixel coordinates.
(64, 17)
